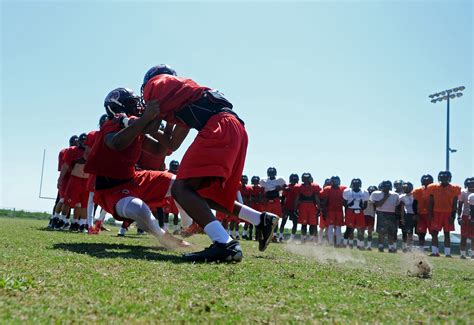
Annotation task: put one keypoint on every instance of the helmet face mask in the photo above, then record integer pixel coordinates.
(102, 120)
(386, 186)
(335, 181)
(255, 180)
(444, 177)
(294, 179)
(356, 184)
(407, 187)
(426, 180)
(398, 185)
(306, 178)
(123, 100)
(73, 140)
(174, 165)
(271, 172)
(82, 139)
(372, 189)
(469, 184)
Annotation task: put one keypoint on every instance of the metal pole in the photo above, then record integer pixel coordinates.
(447, 136)
(42, 170)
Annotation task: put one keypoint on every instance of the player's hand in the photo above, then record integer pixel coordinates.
(451, 220)
(460, 222)
(402, 221)
(350, 203)
(152, 110)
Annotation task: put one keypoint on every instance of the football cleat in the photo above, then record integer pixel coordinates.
(264, 230)
(217, 252)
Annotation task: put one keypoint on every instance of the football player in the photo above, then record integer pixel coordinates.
(57, 221)
(210, 171)
(76, 195)
(386, 202)
(408, 211)
(355, 202)
(256, 199)
(333, 212)
(307, 201)
(369, 214)
(464, 216)
(420, 199)
(272, 201)
(246, 192)
(127, 193)
(289, 203)
(442, 206)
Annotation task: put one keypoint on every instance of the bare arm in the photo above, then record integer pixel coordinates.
(153, 146)
(174, 140)
(382, 201)
(125, 137)
(64, 169)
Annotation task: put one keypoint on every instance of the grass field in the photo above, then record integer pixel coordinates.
(63, 277)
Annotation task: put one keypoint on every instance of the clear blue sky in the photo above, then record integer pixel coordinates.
(326, 87)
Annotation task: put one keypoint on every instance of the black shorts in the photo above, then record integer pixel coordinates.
(410, 223)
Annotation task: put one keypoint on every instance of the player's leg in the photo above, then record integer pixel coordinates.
(447, 243)
(434, 243)
(135, 209)
(282, 226)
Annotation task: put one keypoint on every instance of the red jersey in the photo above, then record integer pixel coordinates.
(256, 191)
(246, 191)
(91, 137)
(73, 155)
(173, 93)
(61, 158)
(307, 192)
(290, 193)
(106, 162)
(333, 197)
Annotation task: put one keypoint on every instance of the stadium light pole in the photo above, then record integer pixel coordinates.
(447, 95)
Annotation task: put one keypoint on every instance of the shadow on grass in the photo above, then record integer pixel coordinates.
(106, 250)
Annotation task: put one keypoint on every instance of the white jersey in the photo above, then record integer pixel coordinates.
(358, 197)
(464, 198)
(389, 205)
(407, 200)
(271, 184)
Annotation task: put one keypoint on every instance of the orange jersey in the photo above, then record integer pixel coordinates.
(421, 196)
(443, 196)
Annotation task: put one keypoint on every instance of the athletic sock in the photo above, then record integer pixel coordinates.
(360, 243)
(216, 232)
(447, 251)
(434, 250)
(250, 215)
(369, 243)
(463, 253)
(63, 217)
(165, 226)
(244, 233)
(281, 235)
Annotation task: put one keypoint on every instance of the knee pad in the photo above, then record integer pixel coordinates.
(131, 208)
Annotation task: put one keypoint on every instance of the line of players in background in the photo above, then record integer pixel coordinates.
(76, 190)
(430, 207)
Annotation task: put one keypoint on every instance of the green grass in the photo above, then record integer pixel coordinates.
(56, 277)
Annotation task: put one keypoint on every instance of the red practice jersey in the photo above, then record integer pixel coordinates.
(173, 93)
(106, 162)
(333, 197)
(290, 193)
(306, 191)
